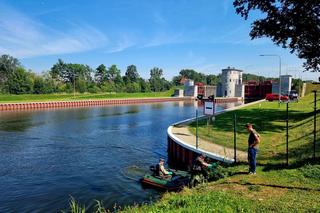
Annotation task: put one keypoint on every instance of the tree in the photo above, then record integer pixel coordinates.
(113, 73)
(100, 74)
(133, 87)
(293, 24)
(155, 79)
(20, 82)
(144, 85)
(176, 80)
(59, 71)
(72, 74)
(192, 74)
(8, 65)
(131, 74)
(39, 86)
(213, 79)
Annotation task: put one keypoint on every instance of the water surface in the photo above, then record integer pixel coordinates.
(89, 153)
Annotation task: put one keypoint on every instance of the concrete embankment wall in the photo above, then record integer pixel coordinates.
(85, 103)
(183, 154)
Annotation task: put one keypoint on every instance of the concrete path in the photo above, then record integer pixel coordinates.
(185, 135)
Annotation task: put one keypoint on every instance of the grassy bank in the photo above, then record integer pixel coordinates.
(275, 187)
(79, 96)
(269, 120)
(287, 190)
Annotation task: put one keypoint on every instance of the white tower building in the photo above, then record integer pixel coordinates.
(231, 83)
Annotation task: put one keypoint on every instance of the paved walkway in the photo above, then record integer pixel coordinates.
(184, 134)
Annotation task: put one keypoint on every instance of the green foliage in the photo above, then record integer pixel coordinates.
(191, 74)
(292, 24)
(133, 87)
(249, 77)
(311, 171)
(76, 207)
(131, 74)
(19, 82)
(113, 74)
(101, 74)
(157, 83)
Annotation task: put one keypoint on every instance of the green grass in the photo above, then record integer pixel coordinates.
(269, 120)
(287, 190)
(78, 96)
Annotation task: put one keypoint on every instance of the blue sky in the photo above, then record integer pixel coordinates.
(205, 35)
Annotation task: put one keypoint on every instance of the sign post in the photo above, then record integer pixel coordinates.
(209, 108)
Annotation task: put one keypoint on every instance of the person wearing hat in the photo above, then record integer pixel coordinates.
(162, 172)
(253, 141)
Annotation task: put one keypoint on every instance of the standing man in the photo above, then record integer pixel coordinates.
(253, 141)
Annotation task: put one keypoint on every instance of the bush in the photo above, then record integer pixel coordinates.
(311, 171)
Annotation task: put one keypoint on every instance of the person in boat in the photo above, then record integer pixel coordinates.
(162, 171)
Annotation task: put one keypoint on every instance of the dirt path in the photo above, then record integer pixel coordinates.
(183, 133)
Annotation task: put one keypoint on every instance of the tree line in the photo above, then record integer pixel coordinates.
(69, 77)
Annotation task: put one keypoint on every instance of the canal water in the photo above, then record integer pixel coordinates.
(100, 153)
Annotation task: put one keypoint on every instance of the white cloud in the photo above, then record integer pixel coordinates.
(24, 37)
(164, 38)
(124, 42)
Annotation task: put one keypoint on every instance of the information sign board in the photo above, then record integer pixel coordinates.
(208, 108)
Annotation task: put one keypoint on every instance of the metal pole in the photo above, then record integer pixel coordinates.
(197, 129)
(279, 79)
(315, 125)
(235, 137)
(74, 85)
(208, 123)
(287, 135)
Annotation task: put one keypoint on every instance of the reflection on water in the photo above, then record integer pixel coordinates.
(89, 153)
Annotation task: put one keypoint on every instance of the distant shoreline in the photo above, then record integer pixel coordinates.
(98, 102)
(85, 103)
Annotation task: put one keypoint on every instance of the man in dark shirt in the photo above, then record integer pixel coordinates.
(253, 141)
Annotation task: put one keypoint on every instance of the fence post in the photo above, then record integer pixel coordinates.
(197, 129)
(235, 137)
(287, 134)
(314, 124)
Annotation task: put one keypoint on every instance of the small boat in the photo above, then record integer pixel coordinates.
(176, 182)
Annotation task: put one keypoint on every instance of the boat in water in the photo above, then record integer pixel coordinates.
(176, 182)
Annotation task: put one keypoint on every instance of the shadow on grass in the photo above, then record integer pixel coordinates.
(273, 186)
(294, 165)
